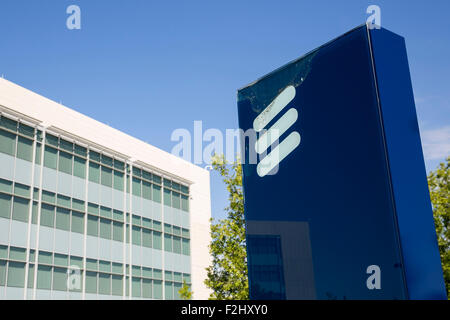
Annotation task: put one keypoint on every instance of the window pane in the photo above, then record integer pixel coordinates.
(30, 276)
(66, 145)
(157, 289)
(62, 219)
(92, 227)
(117, 267)
(82, 151)
(51, 140)
(65, 162)
(176, 244)
(77, 222)
(106, 176)
(50, 157)
(93, 208)
(17, 254)
(146, 190)
(44, 277)
(147, 238)
(91, 282)
(45, 257)
(104, 284)
(186, 250)
(34, 213)
(5, 206)
(136, 287)
(60, 279)
(49, 197)
(8, 123)
(176, 288)
(105, 212)
(94, 172)
(157, 240)
(117, 231)
(79, 167)
(167, 243)
(26, 130)
(136, 235)
(7, 143)
(168, 290)
(47, 215)
(38, 155)
(117, 285)
(105, 229)
(25, 149)
(184, 203)
(63, 201)
(20, 209)
(61, 260)
(78, 204)
(147, 223)
(6, 186)
(2, 272)
(156, 193)
(92, 264)
(167, 198)
(118, 180)
(176, 200)
(137, 187)
(16, 274)
(118, 215)
(3, 252)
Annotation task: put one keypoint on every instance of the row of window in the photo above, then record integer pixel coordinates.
(57, 272)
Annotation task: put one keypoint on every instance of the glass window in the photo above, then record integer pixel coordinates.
(167, 197)
(176, 200)
(184, 189)
(168, 275)
(20, 209)
(147, 238)
(176, 244)
(21, 190)
(79, 168)
(47, 215)
(51, 140)
(63, 201)
(157, 289)
(146, 190)
(2, 272)
(156, 193)
(77, 222)
(17, 254)
(24, 149)
(8, 123)
(50, 157)
(117, 285)
(92, 264)
(136, 235)
(3, 252)
(62, 219)
(93, 208)
(66, 145)
(61, 260)
(176, 288)
(16, 274)
(117, 267)
(106, 176)
(26, 130)
(91, 282)
(118, 215)
(49, 197)
(118, 180)
(157, 240)
(168, 290)
(34, 213)
(117, 231)
(80, 150)
(167, 228)
(147, 223)
(94, 155)
(168, 243)
(7, 143)
(167, 183)
(186, 248)
(104, 284)
(157, 274)
(76, 261)
(147, 272)
(5, 206)
(38, 155)
(187, 277)
(44, 277)
(60, 279)
(105, 212)
(105, 229)
(45, 257)
(176, 231)
(92, 227)
(119, 164)
(147, 288)
(136, 220)
(78, 204)
(185, 233)
(6, 186)
(30, 277)
(184, 203)
(94, 172)
(136, 287)
(146, 175)
(65, 162)
(136, 186)
(104, 266)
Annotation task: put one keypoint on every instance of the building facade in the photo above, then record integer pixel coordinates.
(88, 212)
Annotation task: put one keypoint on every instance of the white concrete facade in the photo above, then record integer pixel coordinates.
(37, 110)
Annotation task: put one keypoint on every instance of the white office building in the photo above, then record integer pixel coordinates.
(89, 212)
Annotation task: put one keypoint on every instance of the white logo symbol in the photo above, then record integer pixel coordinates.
(271, 135)
(374, 280)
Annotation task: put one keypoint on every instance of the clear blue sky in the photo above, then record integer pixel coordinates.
(149, 67)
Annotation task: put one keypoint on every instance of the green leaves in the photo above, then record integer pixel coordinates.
(227, 275)
(185, 291)
(438, 182)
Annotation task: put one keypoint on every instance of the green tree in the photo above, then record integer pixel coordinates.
(185, 291)
(227, 276)
(438, 182)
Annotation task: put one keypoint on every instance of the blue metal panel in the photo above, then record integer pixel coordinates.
(409, 182)
(337, 181)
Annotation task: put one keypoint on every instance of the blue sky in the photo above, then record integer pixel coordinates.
(150, 67)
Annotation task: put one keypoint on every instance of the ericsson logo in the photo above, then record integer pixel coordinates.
(271, 135)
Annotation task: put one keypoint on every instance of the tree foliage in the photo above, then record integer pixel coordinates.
(438, 182)
(185, 291)
(227, 276)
